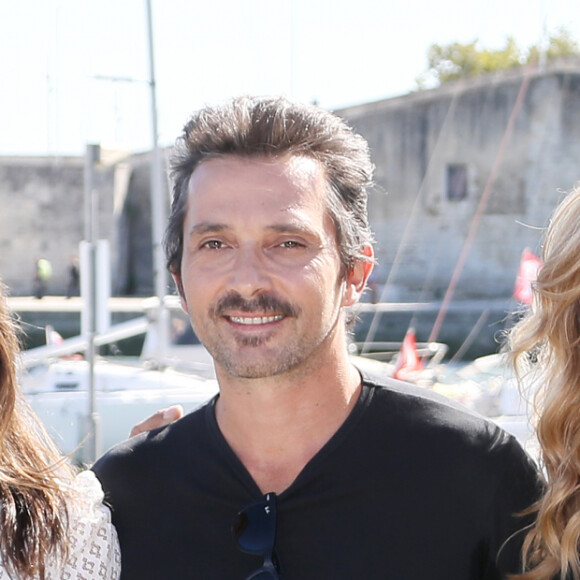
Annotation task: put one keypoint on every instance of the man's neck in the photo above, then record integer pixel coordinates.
(278, 424)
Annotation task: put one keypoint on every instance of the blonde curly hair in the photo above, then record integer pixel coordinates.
(545, 350)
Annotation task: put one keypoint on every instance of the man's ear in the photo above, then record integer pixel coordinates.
(178, 283)
(356, 279)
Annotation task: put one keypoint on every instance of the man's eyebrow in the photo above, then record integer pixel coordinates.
(290, 228)
(283, 228)
(206, 227)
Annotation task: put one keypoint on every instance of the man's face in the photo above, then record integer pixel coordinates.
(261, 272)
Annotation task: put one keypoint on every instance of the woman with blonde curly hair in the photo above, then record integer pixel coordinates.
(545, 351)
(53, 523)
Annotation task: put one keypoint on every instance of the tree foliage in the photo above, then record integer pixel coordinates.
(450, 62)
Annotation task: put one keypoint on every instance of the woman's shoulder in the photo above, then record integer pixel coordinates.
(93, 545)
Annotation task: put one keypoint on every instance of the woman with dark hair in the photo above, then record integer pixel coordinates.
(53, 523)
(545, 351)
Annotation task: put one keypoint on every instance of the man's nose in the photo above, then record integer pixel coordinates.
(250, 274)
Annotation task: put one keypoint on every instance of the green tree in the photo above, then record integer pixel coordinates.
(453, 61)
(560, 44)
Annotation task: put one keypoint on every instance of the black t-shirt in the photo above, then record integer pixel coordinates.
(412, 486)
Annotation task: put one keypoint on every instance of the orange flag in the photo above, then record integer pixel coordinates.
(530, 265)
(409, 360)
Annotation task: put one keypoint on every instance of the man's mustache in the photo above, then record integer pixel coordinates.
(262, 303)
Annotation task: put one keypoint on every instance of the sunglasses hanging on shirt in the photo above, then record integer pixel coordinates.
(254, 528)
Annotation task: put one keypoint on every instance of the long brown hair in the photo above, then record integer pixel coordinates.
(545, 351)
(33, 515)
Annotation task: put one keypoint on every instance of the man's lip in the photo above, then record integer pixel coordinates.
(255, 320)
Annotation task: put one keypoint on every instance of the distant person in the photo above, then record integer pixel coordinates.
(545, 350)
(73, 284)
(42, 276)
(303, 467)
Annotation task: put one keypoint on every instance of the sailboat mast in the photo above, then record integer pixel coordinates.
(159, 203)
(89, 293)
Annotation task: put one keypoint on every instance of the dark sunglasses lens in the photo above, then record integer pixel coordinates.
(255, 529)
(240, 524)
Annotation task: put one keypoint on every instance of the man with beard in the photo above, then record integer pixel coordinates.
(303, 467)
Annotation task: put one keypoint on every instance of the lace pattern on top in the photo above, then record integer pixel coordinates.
(93, 550)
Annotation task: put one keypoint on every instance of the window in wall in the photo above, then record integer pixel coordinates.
(456, 182)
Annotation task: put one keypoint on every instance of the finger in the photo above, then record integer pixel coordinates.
(160, 419)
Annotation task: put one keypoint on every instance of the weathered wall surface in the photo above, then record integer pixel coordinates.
(414, 139)
(42, 216)
(132, 267)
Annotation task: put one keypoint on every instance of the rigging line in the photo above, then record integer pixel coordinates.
(470, 337)
(481, 206)
(427, 282)
(371, 333)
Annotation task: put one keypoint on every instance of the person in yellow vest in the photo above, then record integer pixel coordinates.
(42, 276)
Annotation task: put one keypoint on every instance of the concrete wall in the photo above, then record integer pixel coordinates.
(132, 268)
(42, 216)
(421, 233)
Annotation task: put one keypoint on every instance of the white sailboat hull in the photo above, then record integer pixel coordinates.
(124, 395)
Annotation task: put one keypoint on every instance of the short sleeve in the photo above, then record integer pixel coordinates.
(93, 551)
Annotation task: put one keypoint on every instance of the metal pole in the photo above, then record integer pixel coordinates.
(159, 203)
(91, 215)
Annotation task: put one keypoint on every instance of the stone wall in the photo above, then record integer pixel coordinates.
(415, 140)
(42, 216)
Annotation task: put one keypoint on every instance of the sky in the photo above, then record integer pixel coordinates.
(74, 72)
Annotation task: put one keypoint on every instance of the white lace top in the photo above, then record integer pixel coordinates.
(94, 548)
